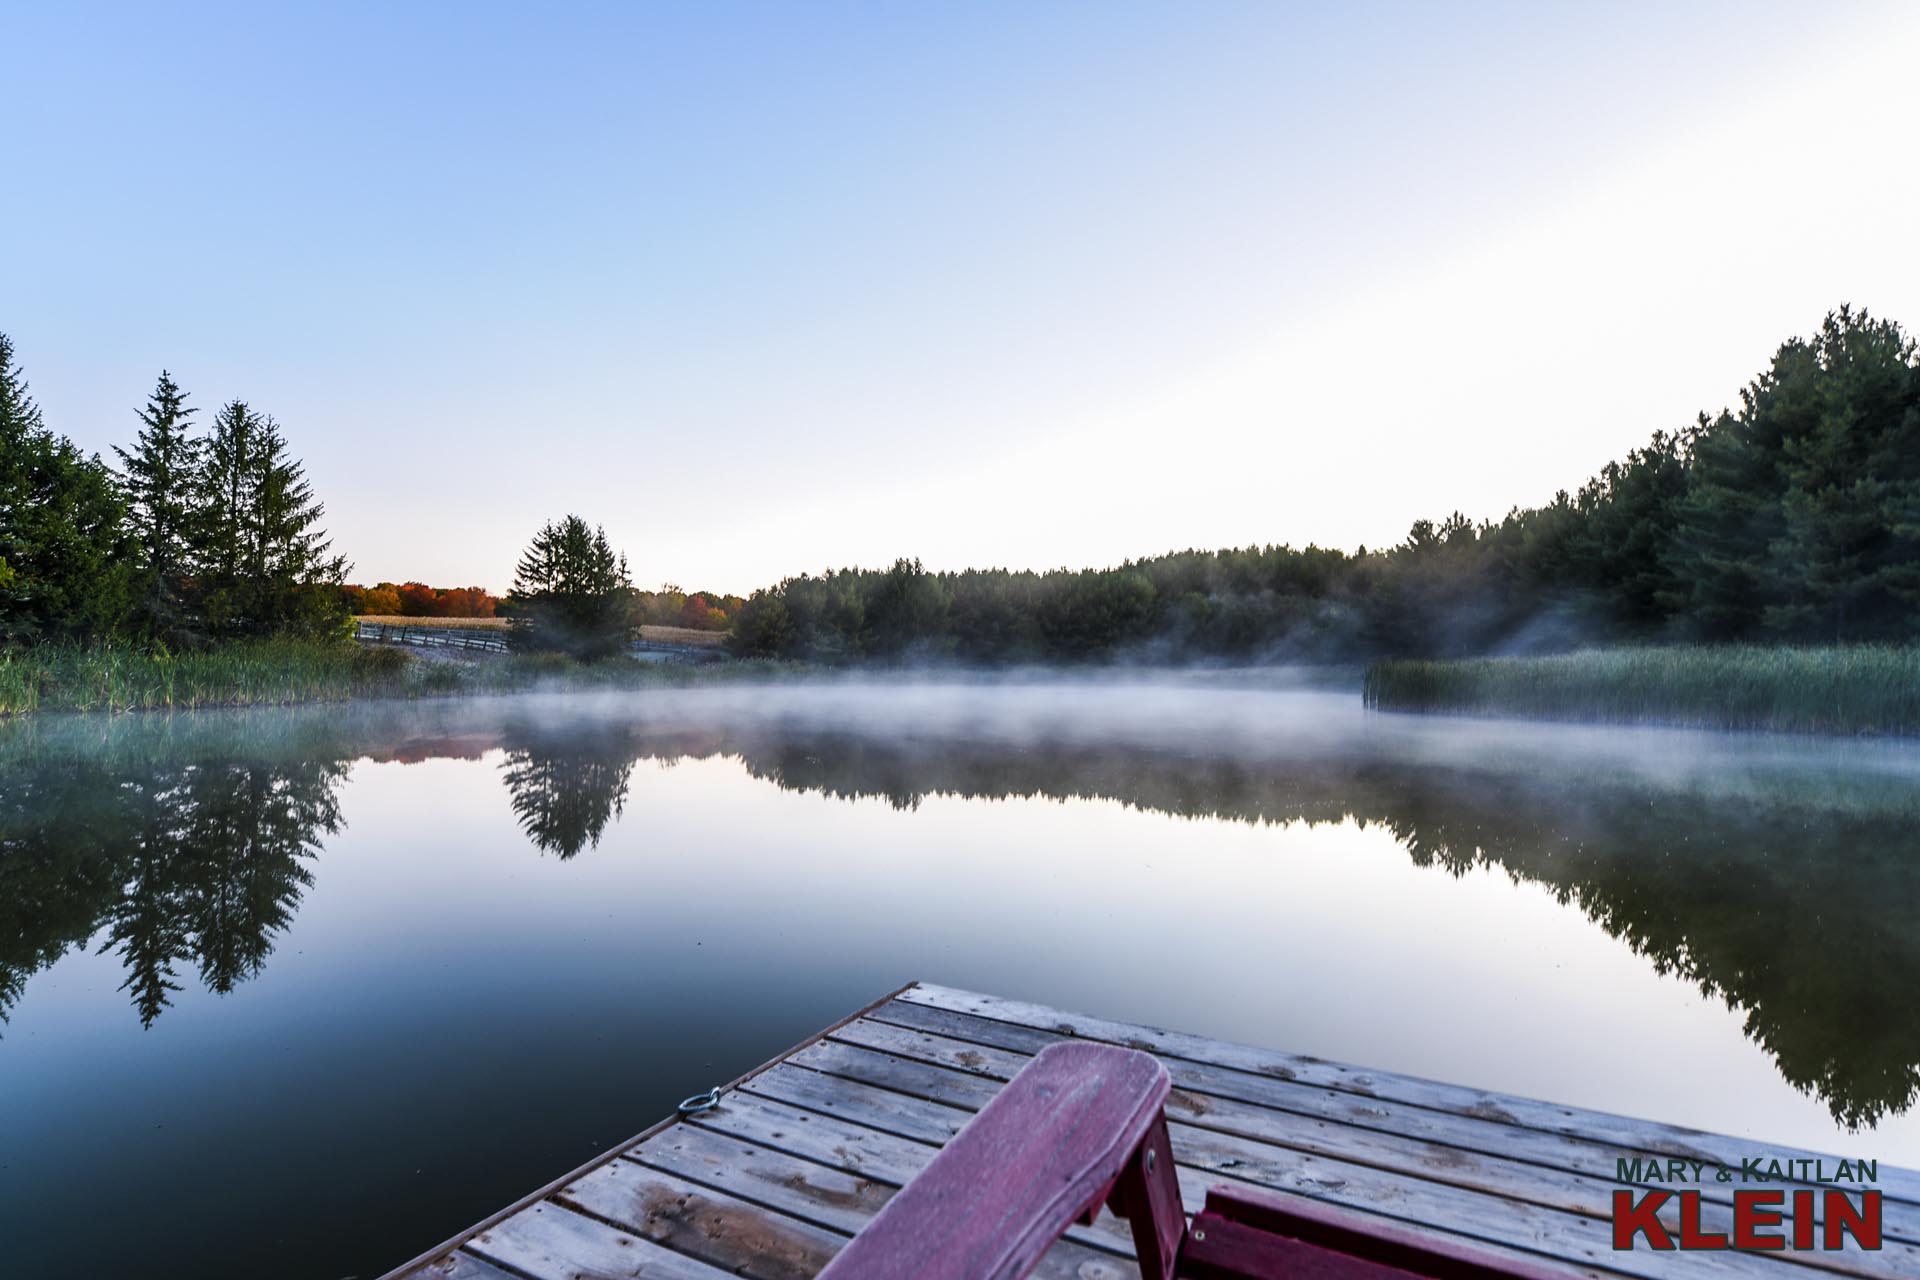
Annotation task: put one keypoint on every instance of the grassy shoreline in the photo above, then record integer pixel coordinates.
(1863, 689)
(1850, 690)
(283, 672)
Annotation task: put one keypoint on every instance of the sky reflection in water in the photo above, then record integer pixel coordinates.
(394, 966)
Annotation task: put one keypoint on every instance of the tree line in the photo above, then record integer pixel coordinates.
(670, 606)
(196, 537)
(418, 600)
(1793, 518)
(696, 610)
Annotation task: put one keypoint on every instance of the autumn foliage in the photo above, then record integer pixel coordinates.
(418, 600)
(667, 607)
(696, 611)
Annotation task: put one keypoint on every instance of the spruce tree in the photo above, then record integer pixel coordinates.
(1734, 509)
(297, 581)
(64, 567)
(259, 549)
(21, 430)
(571, 592)
(220, 535)
(1843, 559)
(161, 479)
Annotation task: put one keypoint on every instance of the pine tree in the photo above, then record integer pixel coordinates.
(296, 577)
(64, 567)
(1842, 559)
(571, 592)
(1733, 511)
(21, 432)
(259, 549)
(161, 480)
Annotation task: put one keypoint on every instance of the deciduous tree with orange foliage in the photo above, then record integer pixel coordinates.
(418, 600)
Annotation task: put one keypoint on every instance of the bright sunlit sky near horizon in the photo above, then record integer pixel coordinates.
(773, 288)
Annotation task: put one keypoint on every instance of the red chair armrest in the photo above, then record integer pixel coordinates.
(1043, 1153)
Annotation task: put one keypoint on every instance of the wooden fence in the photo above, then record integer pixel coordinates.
(431, 637)
(495, 641)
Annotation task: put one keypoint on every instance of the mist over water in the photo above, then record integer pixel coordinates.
(397, 965)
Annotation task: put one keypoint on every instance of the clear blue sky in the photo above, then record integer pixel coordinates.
(771, 288)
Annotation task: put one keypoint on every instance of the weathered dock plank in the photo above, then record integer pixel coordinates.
(1623, 1133)
(552, 1242)
(1277, 1153)
(803, 1152)
(1552, 1169)
(464, 1266)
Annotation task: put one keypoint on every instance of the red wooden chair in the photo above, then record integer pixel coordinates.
(1082, 1126)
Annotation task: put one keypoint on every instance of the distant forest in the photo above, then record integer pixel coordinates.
(668, 607)
(1795, 518)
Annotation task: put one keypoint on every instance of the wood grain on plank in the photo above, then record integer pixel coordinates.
(822, 1194)
(885, 1110)
(1447, 1210)
(550, 1242)
(773, 1182)
(1630, 1135)
(825, 1194)
(857, 1103)
(1213, 1098)
(462, 1266)
(730, 1233)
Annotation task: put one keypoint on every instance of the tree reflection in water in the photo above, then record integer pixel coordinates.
(175, 864)
(566, 786)
(1792, 900)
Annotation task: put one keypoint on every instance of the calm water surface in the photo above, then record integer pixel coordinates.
(323, 987)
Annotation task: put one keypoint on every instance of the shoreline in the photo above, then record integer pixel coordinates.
(1852, 692)
(1826, 691)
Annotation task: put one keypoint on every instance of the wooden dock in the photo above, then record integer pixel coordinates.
(800, 1153)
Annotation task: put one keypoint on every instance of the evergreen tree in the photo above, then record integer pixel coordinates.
(260, 551)
(1842, 561)
(1632, 514)
(566, 789)
(161, 479)
(64, 568)
(253, 828)
(571, 593)
(21, 432)
(297, 578)
(221, 535)
(906, 611)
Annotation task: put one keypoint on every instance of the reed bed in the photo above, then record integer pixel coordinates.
(1860, 689)
(683, 635)
(284, 672)
(258, 672)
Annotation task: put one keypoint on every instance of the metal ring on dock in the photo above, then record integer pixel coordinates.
(700, 1102)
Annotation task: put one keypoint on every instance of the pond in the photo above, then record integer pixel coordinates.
(326, 985)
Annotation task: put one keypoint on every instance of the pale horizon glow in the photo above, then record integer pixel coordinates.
(767, 290)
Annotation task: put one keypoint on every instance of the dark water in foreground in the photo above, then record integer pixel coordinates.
(306, 992)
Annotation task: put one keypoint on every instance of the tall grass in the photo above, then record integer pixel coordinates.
(283, 672)
(1853, 689)
(122, 678)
